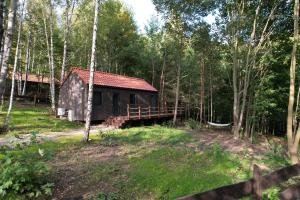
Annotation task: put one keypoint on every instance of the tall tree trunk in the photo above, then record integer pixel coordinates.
(293, 140)
(7, 45)
(91, 78)
(12, 90)
(4, 3)
(1, 21)
(19, 73)
(177, 92)
(202, 91)
(27, 62)
(211, 94)
(235, 90)
(33, 55)
(52, 76)
(162, 82)
(68, 18)
(153, 71)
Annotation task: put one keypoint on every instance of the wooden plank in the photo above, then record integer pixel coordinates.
(291, 193)
(227, 192)
(280, 176)
(246, 188)
(257, 190)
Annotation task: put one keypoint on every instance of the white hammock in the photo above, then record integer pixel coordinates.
(218, 125)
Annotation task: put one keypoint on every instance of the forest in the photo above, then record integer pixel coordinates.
(240, 69)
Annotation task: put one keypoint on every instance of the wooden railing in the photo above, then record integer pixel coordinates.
(254, 186)
(139, 112)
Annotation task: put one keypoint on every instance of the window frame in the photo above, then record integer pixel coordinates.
(134, 98)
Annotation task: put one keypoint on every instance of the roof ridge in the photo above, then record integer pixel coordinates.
(109, 73)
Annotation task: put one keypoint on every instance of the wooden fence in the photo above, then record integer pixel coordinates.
(254, 187)
(150, 112)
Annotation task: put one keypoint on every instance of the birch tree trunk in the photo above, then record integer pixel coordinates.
(293, 140)
(27, 62)
(19, 73)
(13, 78)
(52, 77)
(68, 20)
(161, 82)
(1, 21)
(202, 91)
(7, 45)
(91, 78)
(177, 93)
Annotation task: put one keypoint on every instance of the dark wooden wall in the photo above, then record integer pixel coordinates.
(73, 96)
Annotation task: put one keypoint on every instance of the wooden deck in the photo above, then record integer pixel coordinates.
(135, 113)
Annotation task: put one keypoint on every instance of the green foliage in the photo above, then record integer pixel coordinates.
(23, 174)
(193, 124)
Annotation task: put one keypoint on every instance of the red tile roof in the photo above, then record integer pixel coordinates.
(114, 80)
(34, 78)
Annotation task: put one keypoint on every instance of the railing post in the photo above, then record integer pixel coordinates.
(128, 111)
(257, 190)
(149, 109)
(158, 109)
(139, 112)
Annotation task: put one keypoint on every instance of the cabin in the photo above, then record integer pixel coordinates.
(114, 95)
(37, 87)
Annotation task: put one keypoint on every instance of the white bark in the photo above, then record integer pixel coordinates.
(91, 78)
(177, 93)
(52, 77)
(27, 63)
(7, 45)
(293, 139)
(68, 20)
(13, 76)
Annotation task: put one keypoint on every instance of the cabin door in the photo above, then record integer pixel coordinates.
(115, 108)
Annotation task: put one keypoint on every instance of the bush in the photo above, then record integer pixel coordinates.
(23, 174)
(192, 124)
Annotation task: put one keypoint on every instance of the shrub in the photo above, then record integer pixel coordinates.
(192, 124)
(23, 174)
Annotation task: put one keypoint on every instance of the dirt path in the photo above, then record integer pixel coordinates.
(50, 136)
(226, 141)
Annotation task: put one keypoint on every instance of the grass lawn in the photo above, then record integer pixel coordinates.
(26, 120)
(137, 163)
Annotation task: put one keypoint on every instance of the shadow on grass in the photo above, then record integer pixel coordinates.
(169, 173)
(154, 134)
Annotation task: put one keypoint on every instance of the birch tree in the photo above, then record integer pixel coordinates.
(50, 54)
(1, 21)
(13, 76)
(91, 78)
(293, 139)
(27, 62)
(7, 44)
(68, 20)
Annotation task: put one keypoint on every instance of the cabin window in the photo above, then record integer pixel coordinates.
(132, 99)
(97, 99)
(153, 100)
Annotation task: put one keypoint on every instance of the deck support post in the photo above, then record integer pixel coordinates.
(139, 112)
(257, 189)
(158, 111)
(149, 110)
(128, 111)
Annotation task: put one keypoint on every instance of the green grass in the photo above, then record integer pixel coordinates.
(154, 162)
(36, 119)
(151, 134)
(168, 173)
